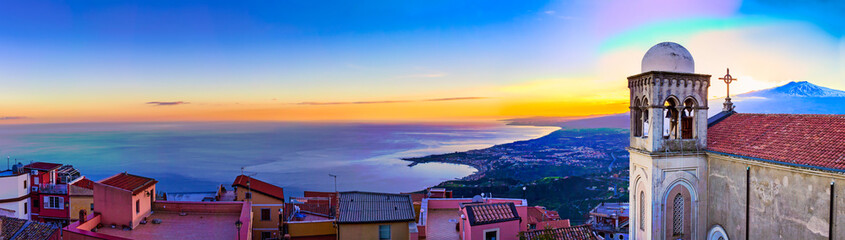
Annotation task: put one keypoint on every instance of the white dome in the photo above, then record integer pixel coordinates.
(668, 57)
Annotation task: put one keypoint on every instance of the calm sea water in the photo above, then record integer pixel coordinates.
(297, 156)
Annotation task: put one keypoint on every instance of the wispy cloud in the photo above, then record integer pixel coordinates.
(453, 99)
(392, 101)
(13, 118)
(167, 103)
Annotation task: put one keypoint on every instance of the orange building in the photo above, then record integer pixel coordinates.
(268, 202)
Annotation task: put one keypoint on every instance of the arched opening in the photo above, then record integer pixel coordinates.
(672, 115)
(644, 126)
(642, 210)
(678, 221)
(688, 119)
(636, 118)
(717, 233)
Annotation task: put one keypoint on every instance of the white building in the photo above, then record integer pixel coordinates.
(14, 192)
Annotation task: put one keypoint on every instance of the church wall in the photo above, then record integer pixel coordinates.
(785, 202)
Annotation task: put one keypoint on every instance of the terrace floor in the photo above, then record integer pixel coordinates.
(173, 226)
(441, 224)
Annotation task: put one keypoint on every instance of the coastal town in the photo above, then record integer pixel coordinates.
(43, 200)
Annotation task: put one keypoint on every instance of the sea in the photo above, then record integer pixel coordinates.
(198, 157)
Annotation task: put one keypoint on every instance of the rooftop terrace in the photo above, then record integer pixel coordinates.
(202, 220)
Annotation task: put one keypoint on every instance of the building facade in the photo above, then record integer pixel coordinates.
(268, 202)
(732, 176)
(382, 216)
(49, 196)
(14, 192)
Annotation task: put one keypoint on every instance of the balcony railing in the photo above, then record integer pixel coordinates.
(52, 188)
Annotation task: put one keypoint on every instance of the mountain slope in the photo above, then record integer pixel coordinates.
(796, 89)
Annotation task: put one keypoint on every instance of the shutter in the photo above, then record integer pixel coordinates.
(46, 202)
(61, 203)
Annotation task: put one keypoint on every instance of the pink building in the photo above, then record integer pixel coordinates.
(125, 208)
(49, 191)
(440, 218)
(124, 199)
(489, 221)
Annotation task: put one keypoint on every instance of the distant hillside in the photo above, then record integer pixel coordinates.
(791, 98)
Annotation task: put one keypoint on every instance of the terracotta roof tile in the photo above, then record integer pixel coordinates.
(260, 186)
(362, 207)
(129, 182)
(487, 213)
(44, 166)
(804, 139)
(580, 232)
(84, 183)
(14, 229)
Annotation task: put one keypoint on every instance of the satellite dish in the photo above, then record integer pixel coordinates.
(477, 199)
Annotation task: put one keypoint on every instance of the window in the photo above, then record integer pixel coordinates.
(491, 234)
(678, 216)
(265, 214)
(92, 207)
(248, 196)
(24, 184)
(54, 202)
(137, 206)
(687, 118)
(642, 210)
(670, 125)
(266, 235)
(384, 232)
(35, 203)
(25, 211)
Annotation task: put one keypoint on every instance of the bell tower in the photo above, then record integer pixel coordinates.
(668, 136)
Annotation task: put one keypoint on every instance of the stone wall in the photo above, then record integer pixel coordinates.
(785, 202)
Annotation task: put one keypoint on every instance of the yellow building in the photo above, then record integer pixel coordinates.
(381, 216)
(81, 194)
(267, 202)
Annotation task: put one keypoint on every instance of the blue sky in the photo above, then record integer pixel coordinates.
(251, 60)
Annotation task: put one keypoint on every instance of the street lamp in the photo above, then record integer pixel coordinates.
(335, 181)
(239, 224)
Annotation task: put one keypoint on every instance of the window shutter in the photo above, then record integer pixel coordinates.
(61, 203)
(46, 202)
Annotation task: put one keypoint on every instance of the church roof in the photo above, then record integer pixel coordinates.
(806, 140)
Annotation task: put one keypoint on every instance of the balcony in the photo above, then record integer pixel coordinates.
(52, 188)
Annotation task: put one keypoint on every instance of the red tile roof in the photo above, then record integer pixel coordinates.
(553, 224)
(581, 232)
(133, 183)
(14, 228)
(540, 214)
(84, 183)
(480, 214)
(808, 140)
(44, 166)
(256, 185)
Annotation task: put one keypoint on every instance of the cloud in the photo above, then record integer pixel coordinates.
(13, 118)
(453, 99)
(392, 101)
(167, 103)
(550, 12)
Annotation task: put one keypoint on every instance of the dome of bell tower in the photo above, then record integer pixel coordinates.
(668, 57)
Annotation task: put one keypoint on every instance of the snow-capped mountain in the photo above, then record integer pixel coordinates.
(796, 89)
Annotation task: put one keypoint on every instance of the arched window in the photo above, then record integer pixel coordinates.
(636, 117)
(678, 216)
(670, 124)
(644, 125)
(642, 210)
(688, 118)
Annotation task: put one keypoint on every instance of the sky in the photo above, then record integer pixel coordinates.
(386, 61)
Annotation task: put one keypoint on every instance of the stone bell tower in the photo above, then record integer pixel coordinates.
(667, 142)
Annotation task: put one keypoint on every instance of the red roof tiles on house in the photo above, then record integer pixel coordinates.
(581, 232)
(84, 183)
(803, 139)
(256, 185)
(44, 166)
(480, 214)
(129, 182)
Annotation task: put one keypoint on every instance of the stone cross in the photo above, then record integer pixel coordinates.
(728, 106)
